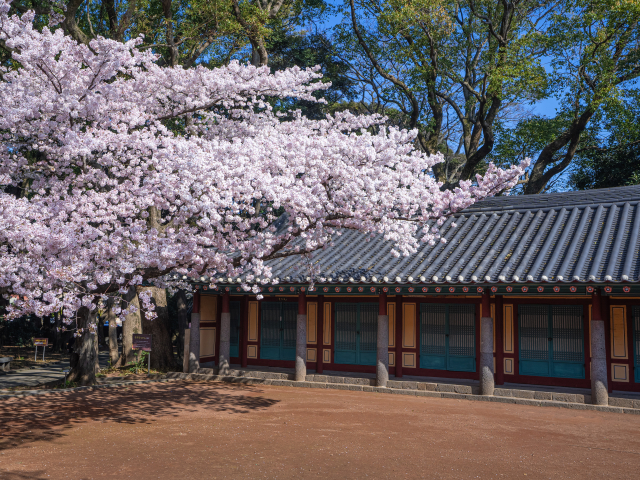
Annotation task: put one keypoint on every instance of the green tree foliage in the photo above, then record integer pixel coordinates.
(466, 74)
(304, 49)
(613, 158)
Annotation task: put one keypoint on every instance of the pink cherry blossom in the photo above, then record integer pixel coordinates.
(133, 171)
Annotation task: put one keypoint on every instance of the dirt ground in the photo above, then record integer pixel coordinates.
(209, 430)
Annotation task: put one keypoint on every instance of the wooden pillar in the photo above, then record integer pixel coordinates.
(399, 315)
(320, 334)
(599, 381)
(244, 329)
(499, 329)
(194, 334)
(301, 339)
(586, 325)
(218, 324)
(606, 318)
(225, 336)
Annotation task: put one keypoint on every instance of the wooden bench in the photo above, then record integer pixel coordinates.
(5, 363)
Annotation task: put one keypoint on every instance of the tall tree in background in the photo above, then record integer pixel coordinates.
(612, 159)
(465, 73)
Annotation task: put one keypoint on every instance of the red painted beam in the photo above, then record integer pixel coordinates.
(196, 302)
(244, 329)
(320, 334)
(382, 303)
(302, 303)
(399, 312)
(499, 329)
(225, 303)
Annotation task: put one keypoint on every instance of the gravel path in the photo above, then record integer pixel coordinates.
(47, 372)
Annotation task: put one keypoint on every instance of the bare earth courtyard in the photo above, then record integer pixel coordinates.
(210, 430)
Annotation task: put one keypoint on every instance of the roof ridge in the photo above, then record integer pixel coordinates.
(554, 200)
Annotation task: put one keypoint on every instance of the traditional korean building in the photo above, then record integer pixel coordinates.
(541, 289)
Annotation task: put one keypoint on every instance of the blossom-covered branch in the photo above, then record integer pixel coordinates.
(131, 170)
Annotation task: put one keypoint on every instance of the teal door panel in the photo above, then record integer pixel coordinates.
(368, 334)
(346, 343)
(551, 340)
(234, 340)
(356, 333)
(289, 328)
(278, 331)
(270, 331)
(534, 340)
(461, 348)
(448, 337)
(636, 343)
(538, 368)
(567, 341)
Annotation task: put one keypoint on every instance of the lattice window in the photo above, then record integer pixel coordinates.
(567, 328)
(270, 324)
(534, 332)
(433, 319)
(368, 327)
(346, 320)
(289, 324)
(462, 330)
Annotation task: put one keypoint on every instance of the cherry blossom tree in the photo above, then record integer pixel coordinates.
(128, 171)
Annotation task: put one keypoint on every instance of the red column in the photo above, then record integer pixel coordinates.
(499, 329)
(320, 334)
(399, 336)
(196, 302)
(225, 303)
(244, 328)
(486, 304)
(606, 317)
(218, 326)
(302, 303)
(382, 303)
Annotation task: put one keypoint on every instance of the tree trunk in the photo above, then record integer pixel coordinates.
(132, 324)
(57, 342)
(183, 321)
(162, 358)
(114, 355)
(101, 339)
(84, 359)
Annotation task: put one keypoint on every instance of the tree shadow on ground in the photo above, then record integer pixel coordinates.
(37, 475)
(45, 417)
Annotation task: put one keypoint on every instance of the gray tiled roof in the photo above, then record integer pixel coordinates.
(589, 236)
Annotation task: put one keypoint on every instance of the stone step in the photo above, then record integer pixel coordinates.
(541, 395)
(465, 392)
(421, 386)
(426, 386)
(249, 374)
